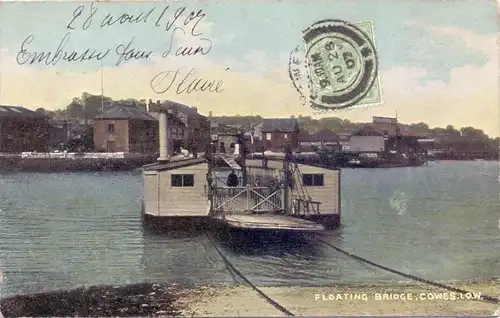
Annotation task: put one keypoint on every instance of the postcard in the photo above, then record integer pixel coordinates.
(249, 158)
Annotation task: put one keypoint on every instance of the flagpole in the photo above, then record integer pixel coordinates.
(102, 90)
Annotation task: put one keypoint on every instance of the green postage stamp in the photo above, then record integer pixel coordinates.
(336, 67)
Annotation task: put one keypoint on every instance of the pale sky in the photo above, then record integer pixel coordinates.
(438, 59)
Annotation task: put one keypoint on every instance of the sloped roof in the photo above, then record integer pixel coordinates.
(324, 135)
(18, 111)
(304, 136)
(285, 125)
(125, 112)
(172, 119)
(224, 129)
(171, 105)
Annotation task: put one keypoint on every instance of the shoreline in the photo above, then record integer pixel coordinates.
(150, 299)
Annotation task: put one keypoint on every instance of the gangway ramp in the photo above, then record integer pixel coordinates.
(230, 161)
(267, 221)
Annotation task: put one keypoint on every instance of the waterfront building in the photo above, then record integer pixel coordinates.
(384, 134)
(276, 132)
(23, 130)
(127, 128)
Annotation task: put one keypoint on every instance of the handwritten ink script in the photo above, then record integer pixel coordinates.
(178, 23)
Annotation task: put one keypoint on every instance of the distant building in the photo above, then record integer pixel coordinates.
(23, 130)
(126, 128)
(325, 139)
(65, 130)
(255, 132)
(198, 126)
(384, 134)
(225, 136)
(344, 141)
(278, 131)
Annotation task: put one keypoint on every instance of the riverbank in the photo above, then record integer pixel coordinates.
(223, 300)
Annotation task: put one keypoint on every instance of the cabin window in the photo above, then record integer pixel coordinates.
(313, 180)
(268, 136)
(111, 128)
(183, 180)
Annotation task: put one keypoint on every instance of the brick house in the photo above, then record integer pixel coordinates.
(278, 131)
(23, 130)
(127, 128)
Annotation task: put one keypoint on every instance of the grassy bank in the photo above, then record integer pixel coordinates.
(221, 300)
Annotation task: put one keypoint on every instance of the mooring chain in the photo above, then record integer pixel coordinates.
(484, 298)
(260, 292)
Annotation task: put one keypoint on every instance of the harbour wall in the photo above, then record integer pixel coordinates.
(68, 163)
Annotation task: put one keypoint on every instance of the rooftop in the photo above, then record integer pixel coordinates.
(18, 111)
(224, 129)
(172, 119)
(188, 110)
(285, 125)
(125, 112)
(389, 129)
(324, 135)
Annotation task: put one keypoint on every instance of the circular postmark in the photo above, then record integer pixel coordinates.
(336, 68)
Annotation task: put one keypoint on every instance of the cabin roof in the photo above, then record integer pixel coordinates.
(174, 164)
(301, 160)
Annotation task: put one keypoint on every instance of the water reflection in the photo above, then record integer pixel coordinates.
(265, 243)
(68, 230)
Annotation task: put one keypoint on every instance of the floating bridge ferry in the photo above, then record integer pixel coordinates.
(273, 193)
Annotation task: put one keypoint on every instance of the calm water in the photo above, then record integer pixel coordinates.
(65, 230)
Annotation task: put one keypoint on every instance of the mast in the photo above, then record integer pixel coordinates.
(286, 170)
(209, 156)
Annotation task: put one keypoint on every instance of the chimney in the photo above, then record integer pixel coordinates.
(210, 114)
(163, 134)
(158, 105)
(150, 105)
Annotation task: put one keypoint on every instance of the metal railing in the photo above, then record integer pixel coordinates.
(239, 200)
(302, 206)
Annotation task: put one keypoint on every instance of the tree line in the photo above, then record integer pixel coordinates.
(88, 106)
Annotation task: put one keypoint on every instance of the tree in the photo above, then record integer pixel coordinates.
(420, 128)
(40, 110)
(473, 134)
(93, 104)
(88, 138)
(75, 108)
